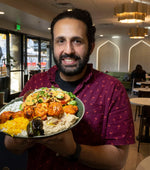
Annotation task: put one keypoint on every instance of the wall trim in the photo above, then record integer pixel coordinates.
(108, 41)
(129, 53)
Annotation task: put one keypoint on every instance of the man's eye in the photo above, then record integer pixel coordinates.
(78, 41)
(60, 41)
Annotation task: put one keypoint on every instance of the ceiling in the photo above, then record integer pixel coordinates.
(38, 14)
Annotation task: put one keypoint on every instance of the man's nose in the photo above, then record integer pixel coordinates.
(69, 49)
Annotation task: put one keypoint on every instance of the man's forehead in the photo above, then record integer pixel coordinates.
(69, 27)
(69, 22)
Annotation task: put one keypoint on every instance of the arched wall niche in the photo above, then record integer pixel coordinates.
(139, 53)
(108, 60)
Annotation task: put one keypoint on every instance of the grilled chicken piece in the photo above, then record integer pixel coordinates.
(28, 111)
(55, 109)
(71, 109)
(7, 115)
(17, 114)
(41, 110)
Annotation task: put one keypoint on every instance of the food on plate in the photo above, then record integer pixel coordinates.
(35, 127)
(71, 109)
(45, 111)
(55, 109)
(5, 116)
(17, 126)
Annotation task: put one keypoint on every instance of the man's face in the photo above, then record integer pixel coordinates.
(71, 52)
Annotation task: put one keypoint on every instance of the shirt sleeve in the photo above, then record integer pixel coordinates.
(120, 127)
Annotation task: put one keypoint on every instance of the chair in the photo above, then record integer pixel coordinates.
(132, 84)
(138, 108)
(144, 126)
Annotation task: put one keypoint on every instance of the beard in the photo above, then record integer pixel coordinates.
(71, 70)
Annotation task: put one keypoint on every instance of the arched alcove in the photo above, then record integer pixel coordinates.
(139, 53)
(108, 57)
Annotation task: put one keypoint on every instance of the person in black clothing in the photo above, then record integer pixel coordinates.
(138, 74)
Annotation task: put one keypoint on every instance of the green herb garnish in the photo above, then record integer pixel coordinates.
(72, 102)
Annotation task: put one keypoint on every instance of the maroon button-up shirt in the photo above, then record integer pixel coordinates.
(107, 119)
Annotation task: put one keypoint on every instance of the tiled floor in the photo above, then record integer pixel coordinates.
(134, 157)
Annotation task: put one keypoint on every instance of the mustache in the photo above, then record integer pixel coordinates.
(69, 56)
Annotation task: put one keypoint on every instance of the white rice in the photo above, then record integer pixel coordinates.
(23, 134)
(14, 107)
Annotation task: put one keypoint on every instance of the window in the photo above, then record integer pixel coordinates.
(14, 61)
(32, 54)
(21, 56)
(3, 69)
(45, 58)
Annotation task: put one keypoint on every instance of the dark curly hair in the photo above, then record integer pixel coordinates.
(81, 15)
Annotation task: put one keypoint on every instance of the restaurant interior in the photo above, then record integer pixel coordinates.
(122, 41)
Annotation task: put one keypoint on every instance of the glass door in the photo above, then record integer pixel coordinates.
(45, 55)
(33, 64)
(14, 63)
(3, 69)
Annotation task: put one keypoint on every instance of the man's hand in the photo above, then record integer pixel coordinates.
(63, 144)
(18, 145)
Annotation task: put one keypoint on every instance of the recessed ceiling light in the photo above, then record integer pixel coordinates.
(148, 27)
(69, 9)
(49, 28)
(2, 12)
(115, 36)
(101, 35)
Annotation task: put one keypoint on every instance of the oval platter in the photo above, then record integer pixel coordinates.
(79, 114)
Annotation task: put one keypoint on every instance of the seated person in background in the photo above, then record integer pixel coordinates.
(138, 74)
(102, 138)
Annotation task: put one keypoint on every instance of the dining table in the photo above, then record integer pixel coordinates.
(143, 82)
(144, 164)
(145, 89)
(142, 101)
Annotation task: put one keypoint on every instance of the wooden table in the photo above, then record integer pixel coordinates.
(143, 82)
(141, 89)
(140, 101)
(144, 164)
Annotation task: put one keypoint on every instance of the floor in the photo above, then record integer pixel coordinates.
(134, 157)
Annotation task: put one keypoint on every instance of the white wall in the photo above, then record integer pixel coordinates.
(141, 53)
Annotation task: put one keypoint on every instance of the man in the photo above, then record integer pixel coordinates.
(138, 75)
(101, 139)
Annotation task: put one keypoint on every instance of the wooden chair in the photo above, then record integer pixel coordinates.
(138, 108)
(144, 126)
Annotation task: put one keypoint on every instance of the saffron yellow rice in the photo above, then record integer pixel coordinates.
(15, 126)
